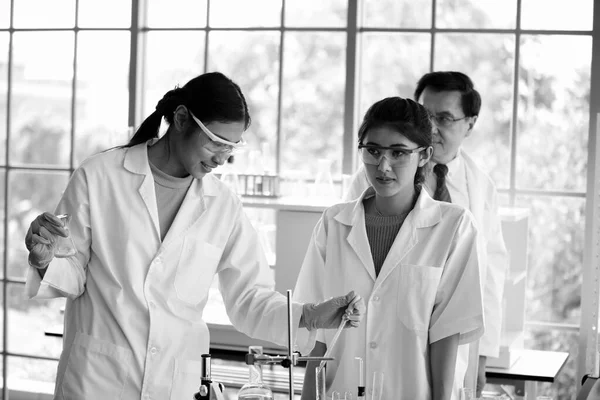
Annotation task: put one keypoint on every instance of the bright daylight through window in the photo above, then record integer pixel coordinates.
(76, 74)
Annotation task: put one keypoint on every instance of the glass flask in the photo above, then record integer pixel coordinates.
(64, 246)
(255, 389)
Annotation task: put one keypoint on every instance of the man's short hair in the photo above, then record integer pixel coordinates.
(450, 81)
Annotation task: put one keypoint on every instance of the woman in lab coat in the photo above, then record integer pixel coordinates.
(413, 259)
(151, 227)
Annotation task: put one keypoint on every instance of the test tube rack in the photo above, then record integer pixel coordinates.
(264, 185)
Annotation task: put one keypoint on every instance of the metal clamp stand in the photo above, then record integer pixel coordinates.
(291, 359)
(206, 381)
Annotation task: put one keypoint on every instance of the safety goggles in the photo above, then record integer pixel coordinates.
(397, 157)
(217, 144)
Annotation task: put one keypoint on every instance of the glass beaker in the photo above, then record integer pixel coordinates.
(64, 246)
(255, 389)
(323, 186)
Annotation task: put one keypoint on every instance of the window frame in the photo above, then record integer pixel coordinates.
(588, 335)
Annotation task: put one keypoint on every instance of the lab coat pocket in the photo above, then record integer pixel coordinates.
(96, 369)
(195, 270)
(416, 295)
(186, 379)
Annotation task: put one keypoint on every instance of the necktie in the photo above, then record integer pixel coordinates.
(441, 190)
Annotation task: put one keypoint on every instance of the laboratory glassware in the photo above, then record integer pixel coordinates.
(361, 379)
(64, 246)
(255, 389)
(335, 338)
(323, 186)
(292, 358)
(466, 394)
(377, 385)
(320, 387)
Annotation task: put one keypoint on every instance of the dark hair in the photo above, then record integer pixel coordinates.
(405, 116)
(448, 81)
(211, 97)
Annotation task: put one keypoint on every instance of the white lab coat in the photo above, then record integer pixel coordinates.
(483, 204)
(133, 319)
(428, 289)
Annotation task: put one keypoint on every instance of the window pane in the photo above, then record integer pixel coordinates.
(386, 73)
(397, 13)
(484, 14)
(3, 91)
(2, 220)
(232, 53)
(566, 383)
(102, 94)
(488, 60)
(104, 14)
(176, 13)
(4, 13)
(557, 15)
(31, 375)
(31, 193)
(555, 258)
(161, 73)
(41, 97)
(244, 13)
(35, 14)
(29, 319)
(313, 100)
(333, 13)
(554, 92)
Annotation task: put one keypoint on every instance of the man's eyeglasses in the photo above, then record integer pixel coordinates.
(446, 120)
(373, 155)
(218, 145)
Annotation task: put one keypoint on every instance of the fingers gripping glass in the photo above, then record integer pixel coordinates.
(397, 157)
(217, 144)
(64, 246)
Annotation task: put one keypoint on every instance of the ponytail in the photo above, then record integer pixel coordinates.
(164, 108)
(210, 97)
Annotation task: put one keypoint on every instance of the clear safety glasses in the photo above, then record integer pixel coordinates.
(218, 145)
(396, 157)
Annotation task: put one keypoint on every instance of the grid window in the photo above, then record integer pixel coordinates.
(70, 86)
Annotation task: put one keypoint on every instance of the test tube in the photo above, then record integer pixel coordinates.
(377, 385)
(361, 378)
(320, 378)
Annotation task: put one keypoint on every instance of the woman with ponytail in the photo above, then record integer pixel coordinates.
(416, 260)
(150, 227)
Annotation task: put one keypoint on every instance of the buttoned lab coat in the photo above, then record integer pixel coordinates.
(483, 204)
(428, 289)
(133, 318)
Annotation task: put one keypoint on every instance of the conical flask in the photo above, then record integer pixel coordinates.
(255, 389)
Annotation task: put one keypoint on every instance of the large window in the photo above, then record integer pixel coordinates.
(75, 74)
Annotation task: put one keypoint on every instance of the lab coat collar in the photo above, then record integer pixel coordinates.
(136, 161)
(426, 212)
(475, 183)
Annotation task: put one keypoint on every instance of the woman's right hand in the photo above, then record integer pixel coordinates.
(41, 237)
